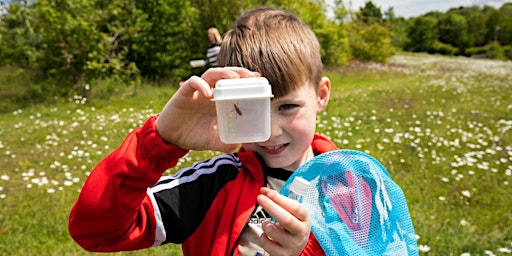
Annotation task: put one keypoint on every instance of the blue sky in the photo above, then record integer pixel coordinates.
(414, 8)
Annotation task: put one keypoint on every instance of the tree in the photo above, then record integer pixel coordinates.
(505, 24)
(370, 13)
(370, 42)
(370, 39)
(422, 34)
(477, 27)
(66, 35)
(162, 49)
(18, 38)
(453, 30)
(398, 27)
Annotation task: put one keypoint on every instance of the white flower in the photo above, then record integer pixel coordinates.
(423, 248)
(505, 250)
(466, 193)
(489, 253)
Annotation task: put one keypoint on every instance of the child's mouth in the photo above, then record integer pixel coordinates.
(273, 150)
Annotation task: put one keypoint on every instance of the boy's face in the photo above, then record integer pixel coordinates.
(293, 123)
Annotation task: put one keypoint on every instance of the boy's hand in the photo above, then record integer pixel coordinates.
(290, 233)
(189, 120)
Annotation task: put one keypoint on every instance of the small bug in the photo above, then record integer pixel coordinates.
(238, 110)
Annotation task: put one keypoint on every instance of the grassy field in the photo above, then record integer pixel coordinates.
(441, 126)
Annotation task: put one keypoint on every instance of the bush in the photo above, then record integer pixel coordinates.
(371, 42)
(507, 50)
(476, 51)
(334, 43)
(495, 51)
(444, 49)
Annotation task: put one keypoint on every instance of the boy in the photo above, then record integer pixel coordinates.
(221, 206)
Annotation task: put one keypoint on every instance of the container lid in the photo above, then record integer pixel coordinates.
(242, 88)
(300, 186)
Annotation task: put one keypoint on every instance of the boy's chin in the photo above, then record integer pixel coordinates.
(280, 164)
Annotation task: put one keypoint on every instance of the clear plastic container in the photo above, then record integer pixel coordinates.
(243, 109)
(298, 189)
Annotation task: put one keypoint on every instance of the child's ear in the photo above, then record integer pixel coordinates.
(324, 90)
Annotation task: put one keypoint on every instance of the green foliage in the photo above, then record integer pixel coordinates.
(335, 43)
(370, 42)
(398, 27)
(505, 24)
(477, 27)
(453, 30)
(65, 45)
(370, 13)
(507, 50)
(332, 35)
(370, 39)
(76, 41)
(466, 29)
(478, 51)
(70, 44)
(442, 48)
(423, 34)
(494, 50)
(219, 14)
(67, 35)
(118, 24)
(18, 36)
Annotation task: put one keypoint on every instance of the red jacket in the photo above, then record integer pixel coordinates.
(125, 204)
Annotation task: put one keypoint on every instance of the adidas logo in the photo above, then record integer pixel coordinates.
(259, 216)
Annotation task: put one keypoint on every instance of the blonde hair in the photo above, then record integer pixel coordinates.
(216, 35)
(277, 44)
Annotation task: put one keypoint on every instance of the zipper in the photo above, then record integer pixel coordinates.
(264, 168)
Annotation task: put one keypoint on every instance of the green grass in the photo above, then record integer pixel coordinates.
(441, 126)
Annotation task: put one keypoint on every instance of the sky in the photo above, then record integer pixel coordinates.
(414, 8)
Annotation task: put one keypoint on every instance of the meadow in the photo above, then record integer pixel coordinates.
(442, 127)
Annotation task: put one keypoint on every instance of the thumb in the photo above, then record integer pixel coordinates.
(228, 148)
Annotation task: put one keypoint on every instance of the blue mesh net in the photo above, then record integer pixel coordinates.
(355, 206)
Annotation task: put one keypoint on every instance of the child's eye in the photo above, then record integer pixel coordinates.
(287, 106)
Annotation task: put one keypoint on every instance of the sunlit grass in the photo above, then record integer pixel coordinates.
(441, 126)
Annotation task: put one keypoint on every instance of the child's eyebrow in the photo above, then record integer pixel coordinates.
(281, 98)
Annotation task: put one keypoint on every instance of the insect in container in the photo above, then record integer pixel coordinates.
(237, 110)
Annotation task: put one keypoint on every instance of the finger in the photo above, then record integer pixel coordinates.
(270, 246)
(276, 233)
(277, 241)
(193, 84)
(290, 205)
(212, 75)
(228, 148)
(289, 213)
(243, 72)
